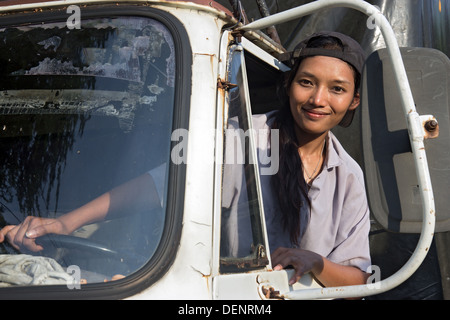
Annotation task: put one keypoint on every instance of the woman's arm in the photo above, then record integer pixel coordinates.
(133, 196)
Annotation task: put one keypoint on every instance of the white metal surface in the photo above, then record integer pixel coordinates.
(197, 260)
(416, 138)
(190, 276)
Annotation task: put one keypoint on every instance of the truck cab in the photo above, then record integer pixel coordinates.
(97, 93)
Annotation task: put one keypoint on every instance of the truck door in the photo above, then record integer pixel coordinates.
(244, 269)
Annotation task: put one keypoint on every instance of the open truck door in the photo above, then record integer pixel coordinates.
(417, 128)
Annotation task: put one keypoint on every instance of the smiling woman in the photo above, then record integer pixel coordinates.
(315, 206)
(319, 187)
(321, 94)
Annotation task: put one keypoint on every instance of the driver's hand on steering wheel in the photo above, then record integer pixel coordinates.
(22, 237)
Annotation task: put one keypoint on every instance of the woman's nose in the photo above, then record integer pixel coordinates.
(319, 97)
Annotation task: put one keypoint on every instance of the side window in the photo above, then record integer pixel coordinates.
(82, 112)
(243, 245)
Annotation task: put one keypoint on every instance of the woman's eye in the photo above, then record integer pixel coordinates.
(338, 89)
(305, 82)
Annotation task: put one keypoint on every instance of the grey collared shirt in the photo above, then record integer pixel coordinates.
(337, 224)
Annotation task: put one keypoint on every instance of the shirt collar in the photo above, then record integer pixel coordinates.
(332, 158)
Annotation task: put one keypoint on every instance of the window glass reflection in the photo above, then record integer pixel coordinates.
(81, 113)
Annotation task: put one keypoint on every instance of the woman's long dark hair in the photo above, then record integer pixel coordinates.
(289, 182)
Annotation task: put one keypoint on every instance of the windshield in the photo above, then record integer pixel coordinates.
(84, 111)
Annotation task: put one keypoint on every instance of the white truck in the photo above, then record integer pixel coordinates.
(95, 93)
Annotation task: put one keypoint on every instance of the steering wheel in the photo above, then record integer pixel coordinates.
(71, 242)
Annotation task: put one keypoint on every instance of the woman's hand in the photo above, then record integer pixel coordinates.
(328, 273)
(302, 261)
(22, 237)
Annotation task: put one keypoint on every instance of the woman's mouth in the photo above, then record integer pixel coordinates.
(315, 113)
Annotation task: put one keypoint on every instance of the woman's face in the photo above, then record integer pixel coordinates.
(322, 91)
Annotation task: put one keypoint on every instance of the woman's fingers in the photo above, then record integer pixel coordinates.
(5, 231)
(284, 257)
(22, 236)
(302, 261)
(23, 240)
(279, 255)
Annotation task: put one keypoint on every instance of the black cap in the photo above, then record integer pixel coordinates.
(352, 53)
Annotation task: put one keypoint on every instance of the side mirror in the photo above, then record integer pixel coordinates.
(392, 183)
